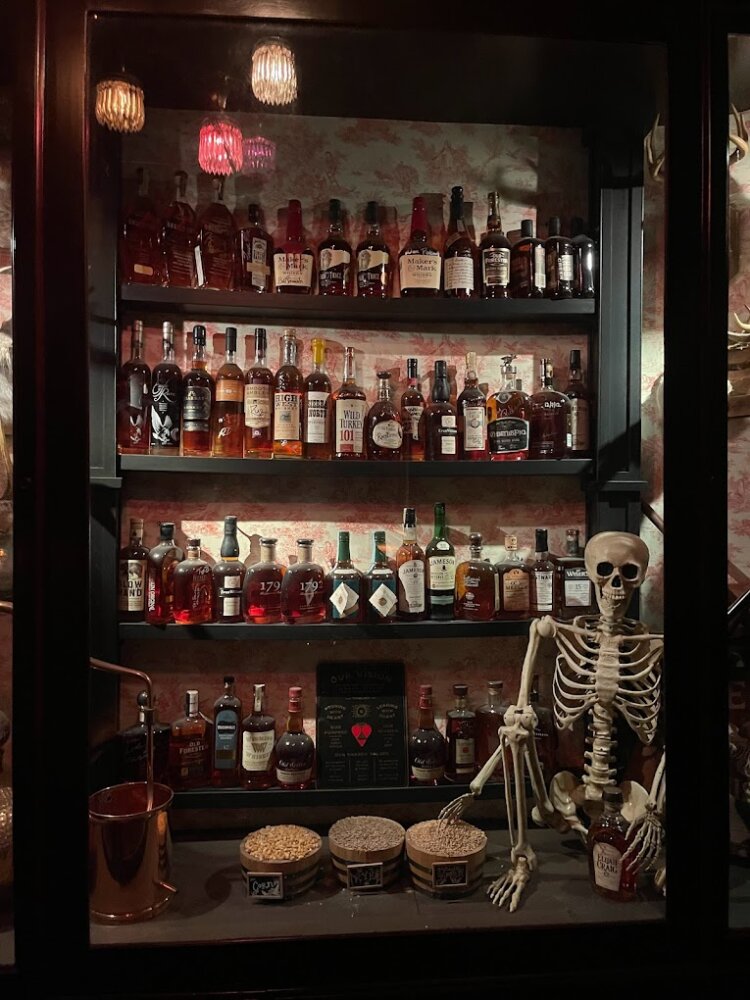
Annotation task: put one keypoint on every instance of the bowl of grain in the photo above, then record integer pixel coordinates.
(446, 857)
(292, 851)
(366, 840)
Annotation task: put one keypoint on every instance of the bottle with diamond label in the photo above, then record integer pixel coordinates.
(515, 584)
(258, 761)
(508, 418)
(410, 568)
(385, 433)
(132, 571)
(166, 399)
(419, 263)
(494, 254)
(227, 414)
(374, 264)
(611, 874)
(441, 429)
(162, 561)
(229, 575)
(559, 254)
(317, 420)
(542, 576)
(550, 417)
(345, 587)
(472, 415)
(133, 395)
(193, 588)
(412, 414)
(303, 589)
(226, 748)
(287, 402)
(254, 254)
(441, 569)
(461, 737)
(179, 239)
(348, 410)
(381, 589)
(198, 391)
(459, 254)
(294, 261)
(476, 585)
(189, 748)
(334, 256)
(263, 586)
(427, 747)
(295, 750)
(259, 391)
(528, 265)
(218, 238)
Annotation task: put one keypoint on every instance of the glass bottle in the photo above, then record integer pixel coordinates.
(218, 241)
(382, 599)
(229, 576)
(254, 253)
(317, 420)
(226, 737)
(573, 591)
(198, 390)
(611, 875)
(131, 602)
(189, 748)
(542, 574)
(585, 262)
(550, 412)
(528, 265)
(294, 261)
(295, 750)
(410, 569)
(132, 744)
(263, 586)
(412, 414)
(385, 433)
(459, 253)
(427, 747)
(475, 585)
(559, 255)
(515, 584)
(303, 590)
(193, 588)
(287, 402)
(489, 719)
(348, 411)
(441, 569)
(227, 414)
(441, 432)
(419, 263)
(141, 260)
(461, 738)
(374, 263)
(580, 415)
(133, 394)
(345, 586)
(472, 415)
(259, 389)
(166, 398)
(545, 734)
(494, 254)
(334, 256)
(179, 239)
(258, 763)
(508, 418)
(162, 560)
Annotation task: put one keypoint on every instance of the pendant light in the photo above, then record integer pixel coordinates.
(273, 77)
(119, 103)
(220, 141)
(258, 155)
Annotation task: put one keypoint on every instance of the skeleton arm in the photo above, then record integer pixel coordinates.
(646, 845)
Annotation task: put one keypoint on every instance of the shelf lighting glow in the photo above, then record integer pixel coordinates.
(274, 77)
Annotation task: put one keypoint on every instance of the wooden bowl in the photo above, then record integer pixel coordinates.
(445, 876)
(389, 857)
(297, 876)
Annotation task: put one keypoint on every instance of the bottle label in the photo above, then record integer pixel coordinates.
(255, 263)
(419, 269)
(427, 773)
(132, 585)
(565, 267)
(190, 759)
(459, 273)
(411, 577)
(464, 754)
(475, 423)
(543, 590)
(225, 740)
(388, 434)
(257, 406)
(508, 434)
(372, 269)
(286, 421)
(579, 425)
(197, 411)
(229, 390)
(293, 777)
(199, 272)
(447, 432)
(334, 267)
(496, 266)
(316, 425)
(576, 588)
(230, 605)
(540, 271)
(415, 415)
(293, 269)
(143, 269)
(607, 866)
(165, 413)
(257, 749)
(350, 423)
(496, 577)
(515, 590)
(345, 599)
(384, 600)
(442, 577)
(137, 391)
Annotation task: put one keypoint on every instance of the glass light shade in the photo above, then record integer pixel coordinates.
(220, 145)
(259, 155)
(274, 78)
(119, 104)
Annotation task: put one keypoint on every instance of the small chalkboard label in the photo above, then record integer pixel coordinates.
(450, 874)
(365, 876)
(265, 885)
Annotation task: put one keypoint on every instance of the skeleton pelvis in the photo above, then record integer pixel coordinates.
(568, 794)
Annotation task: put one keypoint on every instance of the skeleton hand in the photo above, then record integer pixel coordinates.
(508, 888)
(455, 809)
(647, 841)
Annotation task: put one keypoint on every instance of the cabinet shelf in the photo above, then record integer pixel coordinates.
(241, 798)
(324, 631)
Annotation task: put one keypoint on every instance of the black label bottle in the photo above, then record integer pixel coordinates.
(132, 572)
(585, 262)
(440, 420)
(133, 747)
(226, 748)
(198, 391)
(166, 399)
(494, 254)
(229, 576)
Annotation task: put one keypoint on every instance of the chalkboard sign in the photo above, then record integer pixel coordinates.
(265, 885)
(450, 874)
(361, 725)
(365, 876)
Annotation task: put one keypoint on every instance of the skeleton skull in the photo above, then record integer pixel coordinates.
(616, 563)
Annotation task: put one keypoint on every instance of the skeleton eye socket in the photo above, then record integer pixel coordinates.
(604, 568)
(630, 571)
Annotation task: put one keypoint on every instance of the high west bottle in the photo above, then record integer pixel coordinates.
(317, 419)
(162, 560)
(263, 586)
(441, 432)
(441, 569)
(193, 588)
(348, 410)
(385, 433)
(472, 415)
(427, 748)
(287, 402)
(293, 261)
(133, 394)
(226, 737)
(585, 262)
(459, 254)
(254, 253)
(549, 417)
(303, 590)
(141, 260)
(198, 390)
(258, 764)
(419, 263)
(218, 241)
(560, 262)
(295, 750)
(515, 584)
(410, 569)
(476, 585)
(382, 592)
(229, 574)
(166, 399)
(132, 571)
(461, 737)
(542, 576)
(508, 418)
(179, 239)
(528, 264)
(494, 254)
(334, 256)
(227, 414)
(133, 746)
(259, 388)
(412, 414)
(345, 586)
(189, 748)
(580, 411)
(374, 264)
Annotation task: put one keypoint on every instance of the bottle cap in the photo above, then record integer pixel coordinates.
(231, 338)
(295, 692)
(475, 540)
(418, 202)
(269, 541)
(553, 226)
(441, 369)
(229, 679)
(460, 690)
(167, 331)
(199, 335)
(425, 689)
(343, 536)
(511, 543)
(194, 543)
(575, 359)
(410, 517)
(371, 212)
(166, 529)
(253, 210)
(527, 227)
(541, 540)
(412, 368)
(290, 334)
(260, 336)
(612, 794)
(384, 376)
(495, 685)
(230, 524)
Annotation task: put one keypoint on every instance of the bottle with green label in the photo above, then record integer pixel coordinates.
(345, 586)
(382, 592)
(441, 569)
(226, 742)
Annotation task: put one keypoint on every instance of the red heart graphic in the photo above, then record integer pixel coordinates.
(362, 732)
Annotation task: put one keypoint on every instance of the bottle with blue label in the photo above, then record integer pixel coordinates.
(226, 737)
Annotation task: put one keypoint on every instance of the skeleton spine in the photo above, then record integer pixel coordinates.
(597, 771)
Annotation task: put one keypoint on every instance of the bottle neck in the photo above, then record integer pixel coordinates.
(136, 533)
(574, 374)
(572, 545)
(419, 222)
(461, 702)
(268, 552)
(494, 697)
(304, 553)
(261, 347)
(258, 697)
(193, 552)
(230, 548)
(349, 366)
(136, 345)
(199, 356)
(343, 555)
(475, 551)
(410, 533)
(378, 553)
(294, 222)
(229, 689)
(166, 538)
(440, 522)
(441, 389)
(294, 722)
(512, 556)
(426, 714)
(191, 705)
(541, 555)
(471, 379)
(373, 231)
(230, 357)
(290, 351)
(509, 380)
(335, 228)
(319, 358)
(384, 390)
(167, 353)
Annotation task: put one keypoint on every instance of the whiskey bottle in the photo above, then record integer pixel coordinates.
(472, 415)
(254, 253)
(382, 599)
(579, 418)
(193, 588)
(303, 590)
(295, 750)
(476, 585)
(345, 586)
(515, 584)
(141, 260)
(542, 575)
(412, 414)
(494, 254)
(459, 254)
(559, 259)
(374, 264)
(259, 390)
(489, 719)
(166, 399)
(263, 586)
(419, 263)
(218, 241)
(258, 766)
(585, 262)
(427, 747)
(287, 402)
(179, 240)
(441, 569)
(227, 414)
(441, 432)
(317, 419)
(573, 591)
(410, 570)
(550, 412)
(229, 575)
(226, 737)
(545, 734)
(133, 394)
(198, 389)
(334, 256)
(132, 573)
(293, 261)
(189, 748)
(528, 265)
(384, 431)
(611, 875)
(461, 737)
(162, 560)
(508, 418)
(349, 408)
(132, 744)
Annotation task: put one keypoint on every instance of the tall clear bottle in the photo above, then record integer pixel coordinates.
(133, 395)
(459, 253)
(345, 586)
(295, 750)
(229, 576)
(166, 399)
(162, 560)
(441, 569)
(348, 410)
(227, 414)
(258, 765)
(198, 391)
(226, 737)
(472, 415)
(419, 263)
(494, 254)
(259, 392)
(317, 419)
(288, 395)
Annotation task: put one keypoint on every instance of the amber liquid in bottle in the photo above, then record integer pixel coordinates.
(259, 392)
(303, 589)
(427, 747)
(334, 256)
(573, 591)
(287, 403)
(472, 416)
(179, 238)
(263, 586)
(218, 238)
(254, 254)
(384, 430)
(508, 418)
(189, 748)
(317, 411)
(227, 414)
(607, 841)
(166, 399)
(162, 560)
(412, 415)
(410, 572)
(550, 417)
(229, 575)
(226, 737)
(141, 260)
(374, 263)
(419, 263)
(515, 584)
(132, 572)
(560, 262)
(459, 254)
(476, 585)
(193, 588)
(348, 411)
(295, 750)
(461, 738)
(294, 261)
(579, 426)
(258, 765)
(494, 254)
(198, 390)
(441, 430)
(133, 394)
(528, 263)
(542, 577)
(489, 719)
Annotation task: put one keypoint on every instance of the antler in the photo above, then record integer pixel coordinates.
(655, 161)
(739, 139)
(743, 326)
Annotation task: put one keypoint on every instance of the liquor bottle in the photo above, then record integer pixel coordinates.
(441, 432)
(542, 573)
(198, 389)
(461, 738)
(132, 573)
(612, 876)
(412, 415)
(303, 590)
(226, 737)
(579, 398)
(179, 240)
(348, 411)
(528, 265)
(259, 387)
(258, 763)
(384, 433)
(317, 419)
(295, 750)
(133, 393)
(476, 585)
(419, 263)
(585, 262)
(494, 254)
(189, 748)
(545, 734)
(227, 413)
(141, 260)
(162, 560)
(287, 402)
(459, 254)
(374, 263)
(218, 239)
(427, 748)
(345, 586)
(472, 415)
(559, 256)
(254, 253)
(441, 569)
(334, 256)
(229, 575)
(132, 744)
(550, 412)
(508, 418)
(166, 398)
(515, 584)
(263, 586)
(381, 588)
(193, 588)
(489, 719)
(573, 591)
(293, 261)
(410, 569)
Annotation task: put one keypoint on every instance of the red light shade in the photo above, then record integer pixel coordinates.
(220, 145)
(259, 155)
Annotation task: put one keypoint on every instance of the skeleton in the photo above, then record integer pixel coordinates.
(607, 666)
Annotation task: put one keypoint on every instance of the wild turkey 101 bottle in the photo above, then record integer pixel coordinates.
(349, 408)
